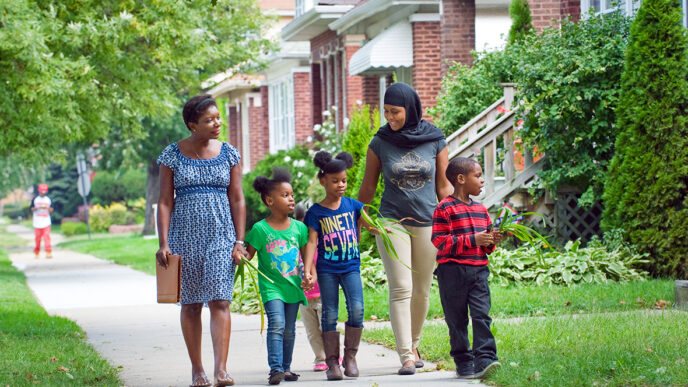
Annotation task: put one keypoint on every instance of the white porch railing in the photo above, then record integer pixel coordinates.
(480, 135)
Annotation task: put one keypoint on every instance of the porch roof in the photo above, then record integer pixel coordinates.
(314, 22)
(392, 48)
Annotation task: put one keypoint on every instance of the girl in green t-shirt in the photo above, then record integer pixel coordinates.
(278, 240)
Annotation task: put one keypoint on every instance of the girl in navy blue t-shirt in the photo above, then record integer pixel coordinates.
(334, 227)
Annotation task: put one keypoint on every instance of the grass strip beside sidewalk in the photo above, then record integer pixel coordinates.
(130, 250)
(615, 349)
(545, 301)
(37, 348)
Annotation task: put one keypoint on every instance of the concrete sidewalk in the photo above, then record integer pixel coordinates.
(116, 307)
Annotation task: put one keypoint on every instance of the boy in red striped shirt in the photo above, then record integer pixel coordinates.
(461, 233)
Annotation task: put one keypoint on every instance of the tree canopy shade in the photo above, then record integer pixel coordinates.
(646, 194)
(70, 70)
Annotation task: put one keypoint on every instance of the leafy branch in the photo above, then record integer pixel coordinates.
(253, 273)
(386, 227)
(507, 221)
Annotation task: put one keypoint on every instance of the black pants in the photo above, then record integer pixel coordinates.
(463, 287)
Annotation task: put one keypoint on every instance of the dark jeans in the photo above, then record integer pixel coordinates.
(281, 332)
(329, 296)
(463, 287)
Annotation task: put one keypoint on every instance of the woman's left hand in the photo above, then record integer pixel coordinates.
(239, 253)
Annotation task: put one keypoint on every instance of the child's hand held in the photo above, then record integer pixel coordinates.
(484, 238)
(498, 237)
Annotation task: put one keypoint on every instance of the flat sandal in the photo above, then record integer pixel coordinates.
(224, 379)
(201, 381)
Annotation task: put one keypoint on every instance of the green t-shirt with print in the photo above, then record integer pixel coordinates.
(278, 258)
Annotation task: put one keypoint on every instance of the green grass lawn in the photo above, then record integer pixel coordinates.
(129, 250)
(8, 240)
(544, 301)
(633, 348)
(36, 348)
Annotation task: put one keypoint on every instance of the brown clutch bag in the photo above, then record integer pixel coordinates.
(169, 279)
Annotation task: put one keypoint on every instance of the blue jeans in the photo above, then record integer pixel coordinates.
(281, 327)
(329, 295)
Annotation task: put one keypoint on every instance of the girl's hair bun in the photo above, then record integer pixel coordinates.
(327, 164)
(322, 158)
(260, 184)
(347, 158)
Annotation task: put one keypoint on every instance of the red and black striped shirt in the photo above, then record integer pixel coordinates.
(454, 225)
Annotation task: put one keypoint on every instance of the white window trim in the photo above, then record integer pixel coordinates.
(382, 82)
(277, 144)
(630, 8)
(302, 6)
(245, 135)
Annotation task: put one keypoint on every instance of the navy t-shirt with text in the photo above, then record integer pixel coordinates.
(338, 250)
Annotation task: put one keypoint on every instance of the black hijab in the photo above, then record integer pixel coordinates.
(416, 130)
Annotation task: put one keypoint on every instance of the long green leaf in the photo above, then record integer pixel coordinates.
(378, 224)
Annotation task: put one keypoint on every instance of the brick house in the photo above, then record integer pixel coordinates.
(261, 113)
(336, 54)
(356, 46)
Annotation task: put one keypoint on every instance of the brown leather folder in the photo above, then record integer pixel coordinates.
(169, 279)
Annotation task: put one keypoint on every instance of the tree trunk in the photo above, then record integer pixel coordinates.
(152, 194)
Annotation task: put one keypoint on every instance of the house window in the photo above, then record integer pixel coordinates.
(629, 7)
(302, 6)
(281, 111)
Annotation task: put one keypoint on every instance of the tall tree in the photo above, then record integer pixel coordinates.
(647, 189)
(120, 150)
(70, 70)
(521, 21)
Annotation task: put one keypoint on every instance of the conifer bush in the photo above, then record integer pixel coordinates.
(521, 21)
(647, 189)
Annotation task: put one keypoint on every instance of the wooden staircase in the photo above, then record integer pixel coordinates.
(479, 137)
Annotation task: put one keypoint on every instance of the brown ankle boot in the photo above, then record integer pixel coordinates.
(352, 337)
(331, 344)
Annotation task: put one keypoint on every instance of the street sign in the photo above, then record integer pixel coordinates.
(84, 182)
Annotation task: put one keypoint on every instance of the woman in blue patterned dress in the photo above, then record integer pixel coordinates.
(202, 217)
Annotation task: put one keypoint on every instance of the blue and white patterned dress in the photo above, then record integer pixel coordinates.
(201, 226)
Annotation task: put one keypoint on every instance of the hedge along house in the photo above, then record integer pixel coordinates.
(260, 110)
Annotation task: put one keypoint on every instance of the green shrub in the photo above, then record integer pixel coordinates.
(101, 218)
(73, 228)
(296, 160)
(13, 212)
(373, 275)
(120, 186)
(362, 128)
(466, 91)
(138, 209)
(120, 214)
(572, 265)
(647, 191)
(568, 82)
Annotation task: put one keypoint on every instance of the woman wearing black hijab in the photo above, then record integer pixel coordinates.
(412, 156)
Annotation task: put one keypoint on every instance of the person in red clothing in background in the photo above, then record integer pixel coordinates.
(41, 206)
(461, 233)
